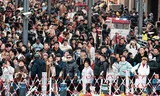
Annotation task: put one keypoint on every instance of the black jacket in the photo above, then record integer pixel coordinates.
(138, 57)
(80, 63)
(37, 68)
(104, 68)
(154, 68)
(157, 58)
(119, 49)
(97, 67)
(71, 68)
(57, 51)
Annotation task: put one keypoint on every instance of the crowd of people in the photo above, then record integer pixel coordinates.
(62, 44)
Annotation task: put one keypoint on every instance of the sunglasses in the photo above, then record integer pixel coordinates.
(69, 57)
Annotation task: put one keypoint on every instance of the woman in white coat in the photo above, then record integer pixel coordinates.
(8, 72)
(87, 75)
(141, 71)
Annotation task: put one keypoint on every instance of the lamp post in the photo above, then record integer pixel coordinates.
(140, 25)
(89, 12)
(25, 24)
(49, 7)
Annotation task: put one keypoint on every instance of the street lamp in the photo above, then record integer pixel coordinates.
(140, 25)
(49, 7)
(89, 12)
(25, 23)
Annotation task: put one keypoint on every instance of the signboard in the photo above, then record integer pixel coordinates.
(120, 25)
(122, 32)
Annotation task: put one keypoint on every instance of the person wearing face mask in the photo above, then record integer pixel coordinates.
(21, 71)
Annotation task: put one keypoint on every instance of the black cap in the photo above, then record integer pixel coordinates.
(58, 55)
(125, 50)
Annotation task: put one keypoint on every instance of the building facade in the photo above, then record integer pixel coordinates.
(150, 6)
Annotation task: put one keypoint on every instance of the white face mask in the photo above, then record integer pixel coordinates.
(150, 57)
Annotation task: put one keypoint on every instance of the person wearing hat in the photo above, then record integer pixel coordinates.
(141, 71)
(38, 66)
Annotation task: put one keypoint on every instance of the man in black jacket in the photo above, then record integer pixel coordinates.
(104, 65)
(97, 64)
(120, 47)
(56, 49)
(71, 68)
(38, 67)
(80, 60)
(156, 57)
(139, 55)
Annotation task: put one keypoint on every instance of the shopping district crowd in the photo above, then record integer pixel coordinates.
(62, 44)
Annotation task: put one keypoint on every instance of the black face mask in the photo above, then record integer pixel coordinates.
(21, 67)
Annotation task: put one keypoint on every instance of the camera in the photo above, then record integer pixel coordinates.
(27, 14)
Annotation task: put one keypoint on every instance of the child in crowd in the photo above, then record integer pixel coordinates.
(87, 75)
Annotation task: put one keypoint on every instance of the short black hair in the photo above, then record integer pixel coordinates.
(14, 51)
(88, 61)
(56, 43)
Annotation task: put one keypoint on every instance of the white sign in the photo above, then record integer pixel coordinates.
(122, 32)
